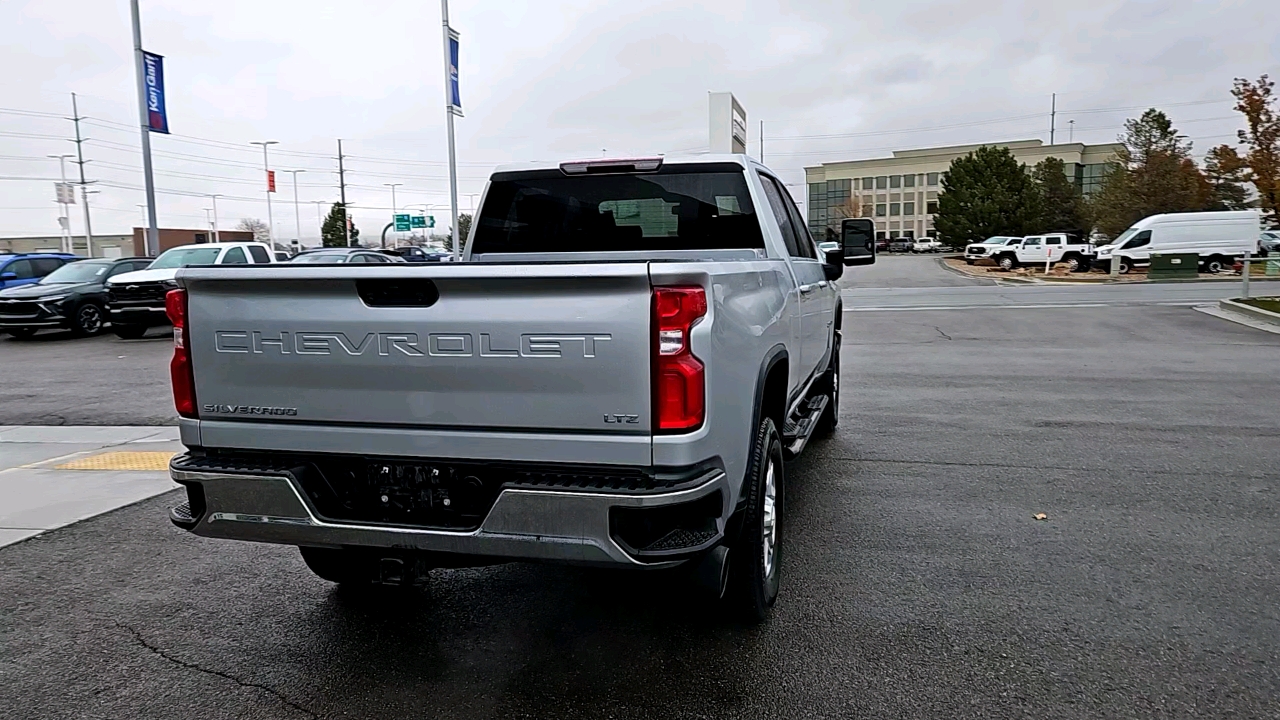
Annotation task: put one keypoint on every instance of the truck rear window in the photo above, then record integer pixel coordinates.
(678, 208)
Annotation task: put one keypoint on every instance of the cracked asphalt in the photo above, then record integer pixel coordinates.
(917, 583)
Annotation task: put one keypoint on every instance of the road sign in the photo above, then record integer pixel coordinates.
(402, 222)
(417, 221)
(271, 181)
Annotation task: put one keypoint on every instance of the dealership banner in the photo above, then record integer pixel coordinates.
(153, 66)
(455, 95)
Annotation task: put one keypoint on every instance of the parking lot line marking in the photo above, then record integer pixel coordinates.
(975, 307)
(150, 460)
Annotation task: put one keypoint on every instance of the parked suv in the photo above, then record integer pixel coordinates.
(73, 297)
(27, 268)
(901, 245)
(343, 256)
(1076, 253)
(135, 300)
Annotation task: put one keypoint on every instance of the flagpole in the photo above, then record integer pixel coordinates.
(153, 234)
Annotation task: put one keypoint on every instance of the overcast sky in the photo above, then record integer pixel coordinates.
(560, 79)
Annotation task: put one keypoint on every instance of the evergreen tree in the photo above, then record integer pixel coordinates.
(1062, 205)
(985, 193)
(1154, 174)
(332, 233)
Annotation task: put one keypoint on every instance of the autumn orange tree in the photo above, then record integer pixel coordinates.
(1257, 102)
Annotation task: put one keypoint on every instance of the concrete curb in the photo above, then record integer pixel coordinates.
(1239, 318)
(972, 276)
(1254, 312)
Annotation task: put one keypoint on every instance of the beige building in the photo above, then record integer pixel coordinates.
(103, 245)
(901, 192)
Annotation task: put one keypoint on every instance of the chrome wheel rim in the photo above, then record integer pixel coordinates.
(90, 319)
(769, 520)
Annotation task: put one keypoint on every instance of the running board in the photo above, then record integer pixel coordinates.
(799, 428)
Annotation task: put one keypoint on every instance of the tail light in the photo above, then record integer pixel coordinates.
(679, 392)
(184, 382)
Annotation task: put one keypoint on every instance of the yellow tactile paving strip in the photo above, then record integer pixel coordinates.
(154, 460)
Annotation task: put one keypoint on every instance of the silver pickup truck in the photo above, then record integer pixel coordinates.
(614, 376)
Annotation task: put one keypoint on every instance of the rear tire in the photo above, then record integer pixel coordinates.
(754, 570)
(129, 332)
(1214, 264)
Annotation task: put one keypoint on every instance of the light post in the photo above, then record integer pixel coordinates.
(393, 187)
(297, 214)
(143, 208)
(266, 168)
(209, 219)
(216, 237)
(64, 220)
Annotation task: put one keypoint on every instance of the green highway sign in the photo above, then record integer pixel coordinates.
(419, 221)
(402, 222)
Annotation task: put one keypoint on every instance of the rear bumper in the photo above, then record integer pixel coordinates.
(560, 525)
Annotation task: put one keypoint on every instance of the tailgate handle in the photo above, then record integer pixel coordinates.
(409, 292)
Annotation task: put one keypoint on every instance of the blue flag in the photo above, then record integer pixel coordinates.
(153, 74)
(455, 95)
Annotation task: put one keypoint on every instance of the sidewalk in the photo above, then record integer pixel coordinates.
(54, 476)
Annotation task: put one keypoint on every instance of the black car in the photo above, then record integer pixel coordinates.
(415, 254)
(73, 297)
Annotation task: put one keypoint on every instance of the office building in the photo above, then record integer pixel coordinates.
(901, 192)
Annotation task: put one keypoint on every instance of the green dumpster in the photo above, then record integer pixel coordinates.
(1173, 265)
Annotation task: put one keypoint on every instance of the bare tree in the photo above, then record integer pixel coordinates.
(259, 229)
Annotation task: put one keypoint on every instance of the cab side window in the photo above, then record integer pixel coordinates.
(1031, 242)
(779, 207)
(234, 256)
(259, 254)
(804, 241)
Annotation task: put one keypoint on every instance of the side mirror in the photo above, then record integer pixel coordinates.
(858, 241)
(8, 276)
(833, 264)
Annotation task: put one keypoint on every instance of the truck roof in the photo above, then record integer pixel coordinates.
(742, 160)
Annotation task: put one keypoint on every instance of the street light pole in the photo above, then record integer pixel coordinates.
(216, 237)
(450, 110)
(393, 187)
(266, 169)
(208, 219)
(297, 214)
(64, 220)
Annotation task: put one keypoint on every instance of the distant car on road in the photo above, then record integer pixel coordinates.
(282, 256)
(415, 254)
(343, 256)
(1269, 242)
(135, 301)
(882, 245)
(926, 245)
(26, 268)
(73, 297)
(901, 245)
(829, 245)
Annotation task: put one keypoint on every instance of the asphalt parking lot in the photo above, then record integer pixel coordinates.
(917, 582)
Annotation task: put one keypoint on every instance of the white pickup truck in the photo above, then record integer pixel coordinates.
(1040, 249)
(986, 249)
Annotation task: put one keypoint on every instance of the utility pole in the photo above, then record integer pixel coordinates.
(1053, 116)
(342, 193)
(452, 106)
(84, 186)
(143, 208)
(393, 187)
(266, 169)
(215, 217)
(209, 219)
(64, 219)
(1071, 132)
(297, 214)
(761, 142)
(151, 235)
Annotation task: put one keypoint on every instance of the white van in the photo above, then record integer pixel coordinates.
(1219, 238)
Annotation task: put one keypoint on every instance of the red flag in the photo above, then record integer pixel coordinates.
(271, 181)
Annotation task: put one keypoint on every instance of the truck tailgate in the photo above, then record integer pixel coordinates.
(545, 347)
